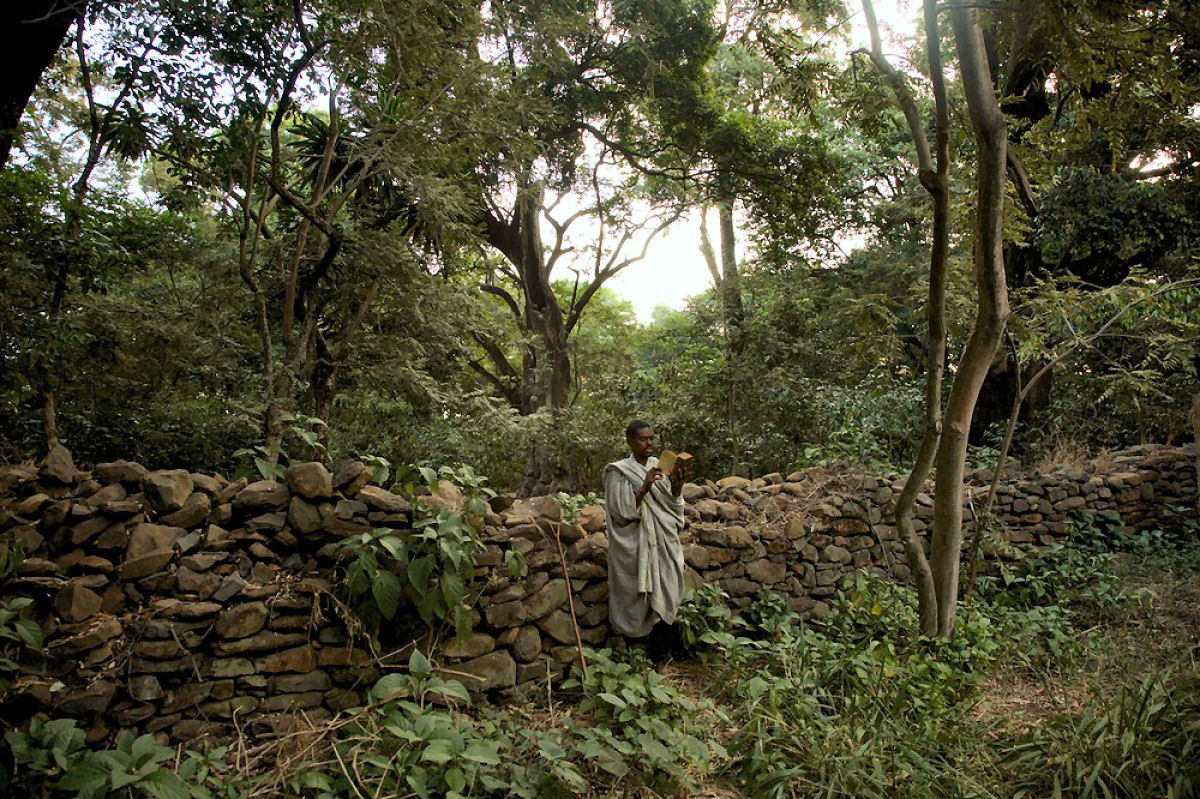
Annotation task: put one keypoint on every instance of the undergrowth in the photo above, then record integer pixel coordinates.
(1072, 673)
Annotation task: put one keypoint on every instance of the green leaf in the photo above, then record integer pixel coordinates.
(30, 632)
(165, 784)
(419, 664)
(419, 570)
(386, 589)
(438, 752)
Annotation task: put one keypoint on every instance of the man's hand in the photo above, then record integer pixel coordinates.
(651, 476)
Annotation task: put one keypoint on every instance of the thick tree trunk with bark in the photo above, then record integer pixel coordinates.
(991, 143)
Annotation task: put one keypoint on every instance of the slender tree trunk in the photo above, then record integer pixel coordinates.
(991, 317)
(1196, 443)
(933, 172)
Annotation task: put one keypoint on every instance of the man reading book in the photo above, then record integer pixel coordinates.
(645, 515)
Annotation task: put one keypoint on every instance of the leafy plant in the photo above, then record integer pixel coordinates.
(15, 633)
(705, 622)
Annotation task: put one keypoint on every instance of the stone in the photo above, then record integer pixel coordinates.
(39, 567)
(793, 529)
(230, 587)
(193, 513)
(558, 625)
(505, 614)
(347, 509)
(696, 556)
(766, 572)
(299, 659)
(493, 670)
(261, 496)
(267, 523)
(739, 537)
(236, 707)
(242, 621)
(383, 500)
(146, 538)
(835, 554)
(553, 595)
(101, 631)
(209, 485)
(190, 611)
(120, 472)
(733, 482)
(31, 505)
(471, 646)
(58, 466)
(231, 490)
(300, 683)
(291, 702)
(342, 656)
(528, 644)
(310, 480)
(92, 699)
(75, 602)
(162, 649)
(303, 517)
(167, 490)
(262, 641)
(351, 476)
(145, 688)
(229, 667)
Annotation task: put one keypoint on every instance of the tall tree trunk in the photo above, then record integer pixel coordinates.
(992, 313)
(933, 172)
(734, 315)
(1196, 443)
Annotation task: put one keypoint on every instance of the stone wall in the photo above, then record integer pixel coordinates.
(186, 604)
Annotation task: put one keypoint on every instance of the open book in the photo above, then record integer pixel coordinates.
(672, 462)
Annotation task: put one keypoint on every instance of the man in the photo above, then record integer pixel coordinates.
(645, 515)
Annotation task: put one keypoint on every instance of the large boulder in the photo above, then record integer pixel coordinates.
(58, 466)
(310, 480)
(167, 490)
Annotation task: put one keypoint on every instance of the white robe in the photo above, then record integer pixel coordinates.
(645, 559)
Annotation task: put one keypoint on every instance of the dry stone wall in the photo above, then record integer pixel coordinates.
(187, 605)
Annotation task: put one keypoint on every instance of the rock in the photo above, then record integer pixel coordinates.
(551, 596)
(300, 659)
(351, 476)
(693, 492)
(187, 695)
(505, 614)
(241, 621)
(558, 625)
(766, 572)
(493, 670)
(380, 499)
(102, 631)
(58, 466)
(93, 699)
(446, 495)
(835, 554)
(697, 557)
(528, 644)
(145, 688)
(310, 480)
(733, 482)
(347, 509)
(261, 496)
(209, 485)
(39, 567)
(167, 490)
(75, 602)
(193, 513)
(303, 517)
(300, 683)
(229, 667)
(31, 505)
(472, 646)
(120, 472)
(592, 518)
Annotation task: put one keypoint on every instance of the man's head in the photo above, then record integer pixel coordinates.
(640, 437)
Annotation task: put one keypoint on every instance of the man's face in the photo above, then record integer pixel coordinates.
(642, 443)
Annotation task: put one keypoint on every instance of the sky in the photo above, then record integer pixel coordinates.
(674, 268)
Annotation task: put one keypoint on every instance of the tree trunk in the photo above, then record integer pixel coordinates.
(31, 32)
(1196, 443)
(991, 316)
(933, 171)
